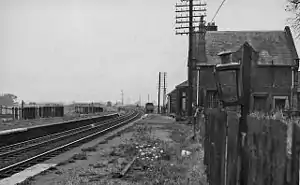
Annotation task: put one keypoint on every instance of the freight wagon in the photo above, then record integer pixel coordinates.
(149, 108)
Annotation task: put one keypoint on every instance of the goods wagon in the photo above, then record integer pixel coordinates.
(149, 108)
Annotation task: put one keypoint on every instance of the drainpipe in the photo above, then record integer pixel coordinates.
(198, 86)
(292, 89)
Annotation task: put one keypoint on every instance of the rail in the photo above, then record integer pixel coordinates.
(31, 152)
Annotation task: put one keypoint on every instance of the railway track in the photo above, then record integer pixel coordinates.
(17, 157)
(19, 146)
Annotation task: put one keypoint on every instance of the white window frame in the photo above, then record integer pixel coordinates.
(280, 98)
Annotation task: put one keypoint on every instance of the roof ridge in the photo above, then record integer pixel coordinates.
(220, 31)
(275, 42)
(182, 83)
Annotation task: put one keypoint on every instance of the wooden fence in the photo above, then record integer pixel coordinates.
(9, 112)
(31, 112)
(265, 150)
(88, 109)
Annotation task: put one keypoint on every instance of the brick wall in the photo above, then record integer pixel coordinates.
(273, 81)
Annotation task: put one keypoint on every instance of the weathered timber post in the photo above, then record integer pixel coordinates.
(240, 97)
(245, 108)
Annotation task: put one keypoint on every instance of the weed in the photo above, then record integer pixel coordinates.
(79, 156)
(103, 142)
(52, 168)
(112, 160)
(113, 153)
(28, 181)
(66, 162)
(99, 165)
(58, 172)
(44, 172)
(110, 137)
(62, 163)
(96, 178)
(89, 149)
(86, 174)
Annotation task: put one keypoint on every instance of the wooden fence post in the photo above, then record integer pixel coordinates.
(13, 113)
(295, 155)
(245, 108)
(22, 110)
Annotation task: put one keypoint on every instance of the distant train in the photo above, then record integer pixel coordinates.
(149, 108)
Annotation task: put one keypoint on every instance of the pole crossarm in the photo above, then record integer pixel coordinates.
(186, 22)
(190, 11)
(194, 10)
(185, 27)
(186, 33)
(186, 17)
(187, 4)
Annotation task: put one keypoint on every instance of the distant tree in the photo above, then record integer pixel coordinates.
(109, 104)
(8, 99)
(293, 6)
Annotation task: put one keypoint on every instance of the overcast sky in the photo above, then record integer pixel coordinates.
(88, 50)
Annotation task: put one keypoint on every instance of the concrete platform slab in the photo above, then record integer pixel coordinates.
(13, 131)
(23, 175)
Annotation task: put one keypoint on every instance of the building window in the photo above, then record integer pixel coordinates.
(212, 99)
(183, 103)
(280, 102)
(226, 58)
(260, 103)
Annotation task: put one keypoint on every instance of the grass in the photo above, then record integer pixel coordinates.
(279, 115)
(98, 165)
(96, 178)
(78, 156)
(172, 168)
(87, 174)
(65, 162)
(28, 181)
(103, 142)
(53, 168)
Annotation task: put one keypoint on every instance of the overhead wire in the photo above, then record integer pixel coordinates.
(218, 10)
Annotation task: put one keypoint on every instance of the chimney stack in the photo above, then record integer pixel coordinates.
(201, 42)
(211, 26)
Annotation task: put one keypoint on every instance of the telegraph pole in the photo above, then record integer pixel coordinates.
(122, 94)
(189, 7)
(164, 92)
(158, 98)
(140, 100)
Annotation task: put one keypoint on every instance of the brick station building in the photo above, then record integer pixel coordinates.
(274, 73)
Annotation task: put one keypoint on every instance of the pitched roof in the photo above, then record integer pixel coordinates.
(271, 45)
(172, 92)
(183, 84)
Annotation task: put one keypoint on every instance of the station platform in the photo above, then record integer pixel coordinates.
(55, 121)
